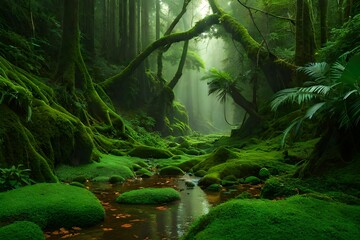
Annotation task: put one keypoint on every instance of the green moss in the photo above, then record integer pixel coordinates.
(149, 152)
(214, 188)
(219, 156)
(238, 168)
(209, 179)
(278, 187)
(116, 179)
(108, 166)
(102, 179)
(21, 230)
(77, 184)
(187, 165)
(80, 179)
(171, 171)
(264, 173)
(244, 195)
(252, 180)
(144, 173)
(149, 196)
(200, 173)
(51, 206)
(295, 218)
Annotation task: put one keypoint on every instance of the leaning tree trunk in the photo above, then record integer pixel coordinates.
(71, 60)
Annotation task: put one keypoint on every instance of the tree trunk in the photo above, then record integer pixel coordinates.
(87, 25)
(323, 7)
(132, 29)
(123, 31)
(178, 73)
(70, 58)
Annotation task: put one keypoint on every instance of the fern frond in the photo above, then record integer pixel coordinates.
(295, 124)
(316, 71)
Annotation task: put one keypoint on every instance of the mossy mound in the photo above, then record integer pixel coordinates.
(278, 187)
(21, 230)
(116, 179)
(237, 168)
(187, 165)
(108, 166)
(200, 173)
(214, 188)
(252, 180)
(209, 179)
(171, 171)
(51, 206)
(149, 152)
(149, 196)
(144, 173)
(219, 156)
(295, 218)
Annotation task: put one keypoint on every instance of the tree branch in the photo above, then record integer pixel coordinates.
(267, 13)
(200, 27)
(178, 73)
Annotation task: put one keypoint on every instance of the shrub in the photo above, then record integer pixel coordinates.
(14, 177)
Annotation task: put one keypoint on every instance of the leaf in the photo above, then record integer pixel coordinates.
(312, 110)
(107, 229)
(126, 225)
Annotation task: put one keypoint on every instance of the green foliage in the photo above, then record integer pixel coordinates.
(252, 180)
(149, 196)
(214, 188)
(297, 218)
(334, 94)
(220, 82)
(264, 173)
(51, 205)
(21, 230)
(149, 152)
(14, 177)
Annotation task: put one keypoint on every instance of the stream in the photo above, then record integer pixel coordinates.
(168, 221)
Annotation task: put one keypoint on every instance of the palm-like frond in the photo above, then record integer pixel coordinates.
(219, 82)
(316, 71)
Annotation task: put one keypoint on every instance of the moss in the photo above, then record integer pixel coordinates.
(77, 184)
(187, 165)
(144, 173)
(80, 179)
(219, 156)
(149, 152)
(277, 187)
(102, 179)
(264, 173)
(238, 168)
(252, 180)
(244, 195)
(149, 196)
(189, 184)
(171, 171)
(51, 206)
(214, 188)
(116, 179)
(209, 179)
(21, 230)
(200, 173)
(108, 166)
(295, 218)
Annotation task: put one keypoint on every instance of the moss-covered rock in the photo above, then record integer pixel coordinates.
(21, 230)
(77, 184)
(264, 173)
(149, 196)
(171, 171)
(144, 173)
(295, 218)
(277, 187)
(237, 168)
(149, 152)
(51, 206)
(187, 165)
(219, 156)
(252, 180)
(108, 166)
(101, 179)
(209, 179)
(200, 173)
(214, 188)
(116, 179)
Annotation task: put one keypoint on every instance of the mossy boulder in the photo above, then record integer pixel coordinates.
(200, 173)
(171, 171)
(101, 179)
(264, 173)
(51, 206)
(149, 196)
(116, 179)
(296, 218)
(144, 173)
(217, 157)
(21, 230)
(77, 184)
(238, 168)
(187, 165)
(149, 152)
(252, 180)
(108, 166)
(214, 188)
(277, 187)
(209, 179)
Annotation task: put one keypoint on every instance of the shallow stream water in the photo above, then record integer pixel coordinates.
(168, 221)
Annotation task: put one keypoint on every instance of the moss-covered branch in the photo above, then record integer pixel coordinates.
(178, 73)
(200, 27)
(277, 72)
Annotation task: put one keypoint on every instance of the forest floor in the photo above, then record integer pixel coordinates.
(274, 202)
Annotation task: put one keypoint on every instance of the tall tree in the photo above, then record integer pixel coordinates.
(87, 25)
(71, 60)
(323, 12)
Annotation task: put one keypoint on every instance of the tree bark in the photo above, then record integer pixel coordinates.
(323, 7)
(87, 25)
(178, 73)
